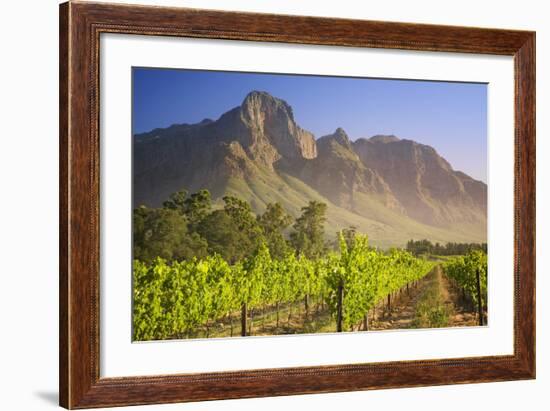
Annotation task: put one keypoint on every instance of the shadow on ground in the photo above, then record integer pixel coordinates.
(51, 397)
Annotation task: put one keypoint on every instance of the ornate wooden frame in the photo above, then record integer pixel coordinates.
(80, 27)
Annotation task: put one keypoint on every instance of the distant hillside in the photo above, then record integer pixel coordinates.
(389, 188)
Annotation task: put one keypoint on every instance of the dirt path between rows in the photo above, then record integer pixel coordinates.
(403, 308)
(433, 292)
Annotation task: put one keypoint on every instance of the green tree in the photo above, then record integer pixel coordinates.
(308, 237)
(222, 235)
(197, 207)
(176, 201)
(273, 222)
(232, 232)
(162, 232)
(245, 223)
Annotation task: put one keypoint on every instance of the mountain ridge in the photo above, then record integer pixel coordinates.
(253, 150)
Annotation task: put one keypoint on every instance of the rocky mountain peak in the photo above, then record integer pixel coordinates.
(258, 103)
(270, 121)
(382, 138)
(339, 136)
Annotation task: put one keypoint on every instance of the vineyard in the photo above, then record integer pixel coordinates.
(174, 299)
(469, 273)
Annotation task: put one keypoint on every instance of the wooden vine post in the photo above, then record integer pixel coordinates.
(479, 301)
(340, 303)
(243, 320)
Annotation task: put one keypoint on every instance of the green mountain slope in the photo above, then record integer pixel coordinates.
(385, 228)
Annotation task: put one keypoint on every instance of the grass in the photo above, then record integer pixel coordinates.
(431, 309)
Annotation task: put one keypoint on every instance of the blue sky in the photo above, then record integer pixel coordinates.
(451, 117)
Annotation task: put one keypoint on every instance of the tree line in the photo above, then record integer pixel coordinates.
(187, 226)
(420, 247)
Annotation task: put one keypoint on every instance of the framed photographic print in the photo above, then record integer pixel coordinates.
(257, 205)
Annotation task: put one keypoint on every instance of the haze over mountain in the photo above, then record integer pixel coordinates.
(390, 188)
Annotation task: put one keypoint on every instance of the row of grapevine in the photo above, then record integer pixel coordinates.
(360, 277)
(173, 299)
(469, 272)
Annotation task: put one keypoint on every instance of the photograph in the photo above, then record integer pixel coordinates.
(270, 204)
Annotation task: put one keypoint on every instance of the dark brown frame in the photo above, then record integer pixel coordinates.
(80, 27)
